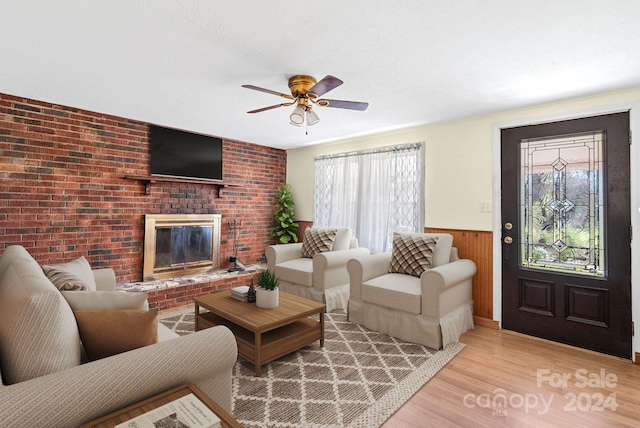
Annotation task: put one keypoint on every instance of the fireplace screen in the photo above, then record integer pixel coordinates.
(177, 244)
(180, 245)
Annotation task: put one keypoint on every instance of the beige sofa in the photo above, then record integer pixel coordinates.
(433, 309)
(43, 380)
(322, 278)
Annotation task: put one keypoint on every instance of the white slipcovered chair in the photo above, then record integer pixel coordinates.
(322, 277)
(433, 309)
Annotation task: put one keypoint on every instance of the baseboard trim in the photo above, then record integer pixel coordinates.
(486, 322)
(637, 361)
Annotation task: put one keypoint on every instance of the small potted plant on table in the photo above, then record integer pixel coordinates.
(267, 290)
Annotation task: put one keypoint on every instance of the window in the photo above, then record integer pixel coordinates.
(374, 192)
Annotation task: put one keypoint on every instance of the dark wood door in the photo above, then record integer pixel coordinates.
(566, 232)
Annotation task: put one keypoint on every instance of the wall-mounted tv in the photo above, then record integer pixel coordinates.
(182, 154)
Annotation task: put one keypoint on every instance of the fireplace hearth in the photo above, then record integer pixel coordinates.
(180, 244)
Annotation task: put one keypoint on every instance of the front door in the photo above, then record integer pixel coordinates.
(566, 232)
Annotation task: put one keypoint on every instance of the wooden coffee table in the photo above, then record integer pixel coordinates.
(263, 335)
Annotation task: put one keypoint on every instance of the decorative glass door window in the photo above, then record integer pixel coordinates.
(561, 204)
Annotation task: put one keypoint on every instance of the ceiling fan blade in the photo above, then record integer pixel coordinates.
(325, 85)
(268, 91)
(351, 105)
(266, 108)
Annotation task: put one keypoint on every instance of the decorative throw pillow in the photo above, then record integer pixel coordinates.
(317, 241)
(106, 333)
(63, 280)
(343, 237)
(411, 254)
(106, 300)
(71, 274)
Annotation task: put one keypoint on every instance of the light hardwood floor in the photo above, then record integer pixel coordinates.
(498, 363)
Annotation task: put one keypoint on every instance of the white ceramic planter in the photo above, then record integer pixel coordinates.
(266, 298)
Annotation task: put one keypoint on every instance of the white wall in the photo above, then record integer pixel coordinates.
(458, 162)
(462, 172)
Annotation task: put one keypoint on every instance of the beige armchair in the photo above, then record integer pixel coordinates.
(433, 309)
(323, 277)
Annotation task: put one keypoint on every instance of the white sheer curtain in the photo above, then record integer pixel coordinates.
(374, 192)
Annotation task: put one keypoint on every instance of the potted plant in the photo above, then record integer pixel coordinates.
(267, 291)
(286, 228)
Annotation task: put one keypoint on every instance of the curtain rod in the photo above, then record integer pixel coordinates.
(396, 148)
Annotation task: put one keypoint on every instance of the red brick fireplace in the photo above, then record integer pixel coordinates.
(63, 191)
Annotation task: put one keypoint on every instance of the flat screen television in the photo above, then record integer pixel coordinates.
(182, 154)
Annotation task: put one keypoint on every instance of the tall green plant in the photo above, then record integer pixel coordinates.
(286, 228)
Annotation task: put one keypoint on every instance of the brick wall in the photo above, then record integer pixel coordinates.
(63, 195)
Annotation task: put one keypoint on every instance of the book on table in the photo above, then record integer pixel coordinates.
(187, 411)
(240, 292)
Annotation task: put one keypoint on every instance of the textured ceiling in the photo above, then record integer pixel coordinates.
(182, 63)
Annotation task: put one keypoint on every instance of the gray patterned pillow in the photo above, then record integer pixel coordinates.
(317, 241)
(411, 254)
(63, 280)
(79, 268)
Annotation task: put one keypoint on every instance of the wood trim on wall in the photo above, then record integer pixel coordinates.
(302, 226)
(486, 322)
(477, 246)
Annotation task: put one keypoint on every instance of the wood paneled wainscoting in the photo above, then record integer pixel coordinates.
(475, 245)
(302, 226)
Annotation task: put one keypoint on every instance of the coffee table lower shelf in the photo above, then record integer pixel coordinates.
(262, 348)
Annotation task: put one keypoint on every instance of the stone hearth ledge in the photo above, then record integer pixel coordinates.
(181, 281)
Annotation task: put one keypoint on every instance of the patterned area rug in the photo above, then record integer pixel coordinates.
(358, 379)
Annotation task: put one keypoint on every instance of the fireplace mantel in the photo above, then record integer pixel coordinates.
(150, 179)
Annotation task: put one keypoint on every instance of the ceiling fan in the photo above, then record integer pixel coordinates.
(306, 92)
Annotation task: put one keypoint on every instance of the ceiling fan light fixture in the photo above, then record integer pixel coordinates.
(312, 117)
(306, 93)
(297, 117)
